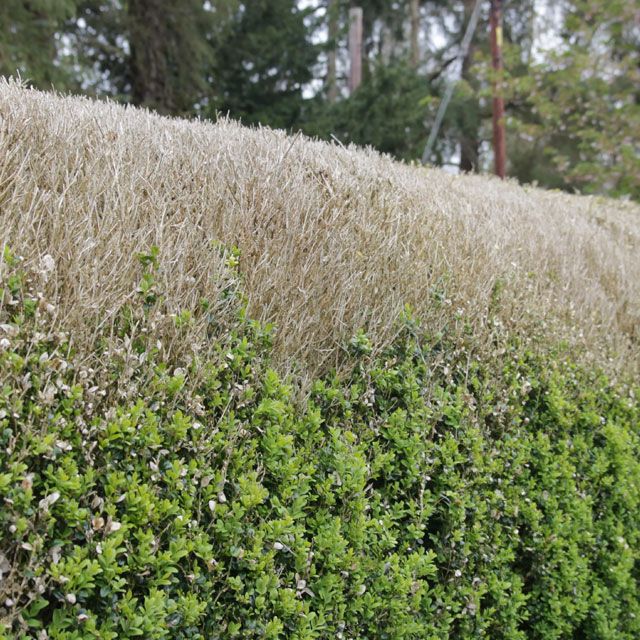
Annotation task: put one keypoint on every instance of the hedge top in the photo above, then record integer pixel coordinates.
(330, 239)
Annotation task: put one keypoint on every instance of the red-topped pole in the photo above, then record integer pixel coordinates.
(499, 142)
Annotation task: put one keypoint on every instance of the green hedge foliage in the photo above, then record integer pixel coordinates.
(427, 495)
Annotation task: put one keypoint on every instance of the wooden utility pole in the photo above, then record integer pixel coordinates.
(332, 74)
(355, 48)
(499, 142)
(414, 8)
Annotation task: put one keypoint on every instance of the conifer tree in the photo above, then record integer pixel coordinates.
(264, 63)
(28, 43)
(154, 53)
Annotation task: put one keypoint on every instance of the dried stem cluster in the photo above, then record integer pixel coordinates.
(332, 239)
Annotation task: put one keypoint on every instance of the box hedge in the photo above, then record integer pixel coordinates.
(426, 495)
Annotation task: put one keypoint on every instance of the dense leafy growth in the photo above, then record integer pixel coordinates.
(426, 495)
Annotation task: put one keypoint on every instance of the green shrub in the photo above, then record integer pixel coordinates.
(427, 495)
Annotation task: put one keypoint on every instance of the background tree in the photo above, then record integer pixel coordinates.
(333, 26)
(386, 112)
(154, 53)
(29, 40)
(169, 53)
(263, 65)
(469, 115)
(414, 41)
(572, 73)
(578, 105)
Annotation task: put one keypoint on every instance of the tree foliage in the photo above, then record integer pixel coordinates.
(263, 63)
(387, 113)
(581, 105)
(572, 74)
(28, 39)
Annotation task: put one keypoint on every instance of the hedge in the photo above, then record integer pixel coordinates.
(425, 495)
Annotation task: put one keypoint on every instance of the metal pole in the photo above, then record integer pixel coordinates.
(355, 48)
(499, 141)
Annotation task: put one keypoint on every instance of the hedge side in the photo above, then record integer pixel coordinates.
(427, 496)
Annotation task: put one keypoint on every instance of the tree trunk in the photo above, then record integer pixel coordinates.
(469, 142)
(414, 54)
(148, 37)
(332, 76)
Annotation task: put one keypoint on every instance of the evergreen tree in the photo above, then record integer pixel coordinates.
(28, 42)
(99, 41)
(154, 53)
(386, 112)
(264, 63)
(577, 108)
(170, 53)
